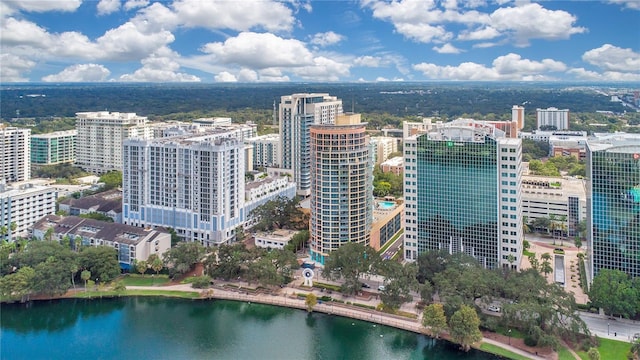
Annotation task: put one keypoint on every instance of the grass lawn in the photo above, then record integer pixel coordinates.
(144, 280)
(168, 293)
(609, 349)
(493, 349)
(565, 354)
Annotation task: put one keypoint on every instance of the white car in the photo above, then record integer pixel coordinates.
(381, 288)
(493, 308)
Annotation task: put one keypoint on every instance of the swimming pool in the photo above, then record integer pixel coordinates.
(386, 205)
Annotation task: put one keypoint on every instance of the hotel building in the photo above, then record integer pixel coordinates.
(297, 113)
(613, 203)
(101, 135)
(341, 185)
(53, 148)
(14, 154)
(462, 193)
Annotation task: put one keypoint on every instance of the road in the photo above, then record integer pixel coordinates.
(605, 327)
(393, 249)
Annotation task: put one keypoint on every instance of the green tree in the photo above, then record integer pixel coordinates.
(400, 280)
(228, 261)
(465, 327)
(181, 258)
(311, 301)
(17, 285)
(381, 189)
(298, 241)
(111, 180)
(278, 214)
(102, 261)
(155, 262)
(545, 266)
(142, 266)
(349, 262)
(96, 216)
(613, 291)
(433, 317)
(593, 354)
(85, 275)
(51, 277)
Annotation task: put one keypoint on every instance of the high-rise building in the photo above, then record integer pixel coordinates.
(341, 185)
(553, 118)
(517, 116)
(192, 183)
(15, 161)
(613, 203)
(297, 113)
(462, 193)
(53, 148)
(265, 150)
(100, 137)
(383, 147)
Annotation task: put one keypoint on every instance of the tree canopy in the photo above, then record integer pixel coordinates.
(348, 263)
(616, 293)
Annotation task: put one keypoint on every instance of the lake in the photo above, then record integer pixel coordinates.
(167, 328)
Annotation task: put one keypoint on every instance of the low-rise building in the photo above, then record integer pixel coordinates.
(388, 220)
(276, 239)
(23, 204)
(132, 243)
(108, 203)
(394, 165)
(562, 198)
(53, 148)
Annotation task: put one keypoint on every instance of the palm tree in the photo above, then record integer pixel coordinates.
(546, 267)
(563, 227)
(3, 231)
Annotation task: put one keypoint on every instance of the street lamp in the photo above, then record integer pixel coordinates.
(608, 328)
(509, 337)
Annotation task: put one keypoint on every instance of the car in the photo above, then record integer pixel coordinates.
(381, 288)
(636, 336)
(493, 308)
(365, 285)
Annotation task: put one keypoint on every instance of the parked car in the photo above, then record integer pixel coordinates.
(493, 308)
(381, 288)
(365, 285)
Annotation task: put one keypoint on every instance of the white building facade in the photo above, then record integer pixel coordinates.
(266, 150)
(553, 117)
(194, 184)
(23, 204)
(15, 154)
(383, 147)
(297, 113)
(101, 135)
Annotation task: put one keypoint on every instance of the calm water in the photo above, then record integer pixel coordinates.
(161, 328)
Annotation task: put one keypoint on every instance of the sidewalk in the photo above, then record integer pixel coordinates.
(287, 297)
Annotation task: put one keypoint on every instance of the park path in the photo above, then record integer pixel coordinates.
(287, 297)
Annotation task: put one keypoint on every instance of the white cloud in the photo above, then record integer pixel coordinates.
(225, 77)
(612, 58)
(368, 61)
(326, 38)
(257, 51)
(384, 79)
(272, 75)
(485, 33)
(247, 75)
(127, 42)
(235, 15)
(323, 69)
(507, 67)
(447, 49)
(588, 75)
(106, 7)
(532, 21)
(80, 73)
(160, 67)
(14, 67)
(11, 6)
(629, 4)
(135, 4)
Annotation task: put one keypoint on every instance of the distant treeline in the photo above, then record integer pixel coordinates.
(397, 99)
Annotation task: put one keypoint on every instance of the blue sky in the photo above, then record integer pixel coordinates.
(318, 41)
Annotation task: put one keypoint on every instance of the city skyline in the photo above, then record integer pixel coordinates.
(271, 41)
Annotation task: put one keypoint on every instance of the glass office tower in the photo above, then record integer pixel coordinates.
(613, 204)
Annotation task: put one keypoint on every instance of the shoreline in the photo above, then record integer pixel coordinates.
(290, 300)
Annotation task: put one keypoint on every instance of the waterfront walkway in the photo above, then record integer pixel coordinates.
(288, 297)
